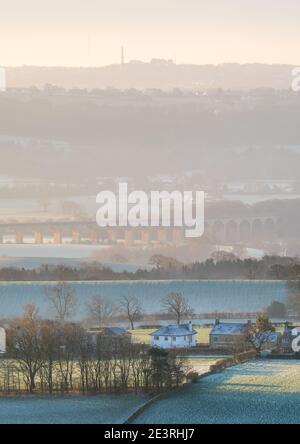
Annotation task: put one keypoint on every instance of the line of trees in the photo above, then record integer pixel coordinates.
(222, 267)
(58, 357)
(100, 310)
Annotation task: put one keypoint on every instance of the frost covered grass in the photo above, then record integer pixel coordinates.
(201, 364)
(102, 409)
(259, 392)
(265, 377)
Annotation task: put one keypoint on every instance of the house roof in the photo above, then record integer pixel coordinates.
(174, 330)
(111, 330)
(117, 330)
(229, 328)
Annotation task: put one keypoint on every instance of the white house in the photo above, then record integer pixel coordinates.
(174, 336)
(2, 340)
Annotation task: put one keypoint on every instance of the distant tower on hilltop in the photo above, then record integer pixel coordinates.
(122, 56)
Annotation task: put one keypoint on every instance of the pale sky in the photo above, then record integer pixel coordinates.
(91, 32)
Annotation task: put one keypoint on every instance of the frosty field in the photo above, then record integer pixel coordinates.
(258, 392)
(102, 409)
(204, 296)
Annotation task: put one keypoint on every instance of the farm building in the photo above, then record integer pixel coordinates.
(231, 335)
(228, 335)
(114, 337)
(174, 336)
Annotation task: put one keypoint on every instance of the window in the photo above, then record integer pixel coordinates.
(174, 338)
(156, 338)
(166, 338)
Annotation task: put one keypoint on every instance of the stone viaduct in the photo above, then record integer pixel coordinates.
(225, 231)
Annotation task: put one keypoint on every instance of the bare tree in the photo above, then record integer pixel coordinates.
(132, 308)
(70, 338)
(50, 342)
(177, 305)
(31, 312)
(63, 301)
(100, 310)
(260, 333)
(25, 345)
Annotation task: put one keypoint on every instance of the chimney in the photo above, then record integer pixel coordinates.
(217, 321)
(190, 326)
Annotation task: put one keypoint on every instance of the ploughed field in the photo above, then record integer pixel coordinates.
(258, 392)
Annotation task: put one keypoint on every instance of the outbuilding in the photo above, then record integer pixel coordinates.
(228, 335)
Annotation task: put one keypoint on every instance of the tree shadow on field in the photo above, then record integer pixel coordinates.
(260, 368)
(247, 384)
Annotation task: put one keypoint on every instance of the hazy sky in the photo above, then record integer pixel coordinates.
(91, 32)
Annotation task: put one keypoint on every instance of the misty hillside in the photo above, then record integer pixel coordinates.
(249, 136)
(157, 74)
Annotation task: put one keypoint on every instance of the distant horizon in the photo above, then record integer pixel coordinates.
(156, 73)
(137, 61)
